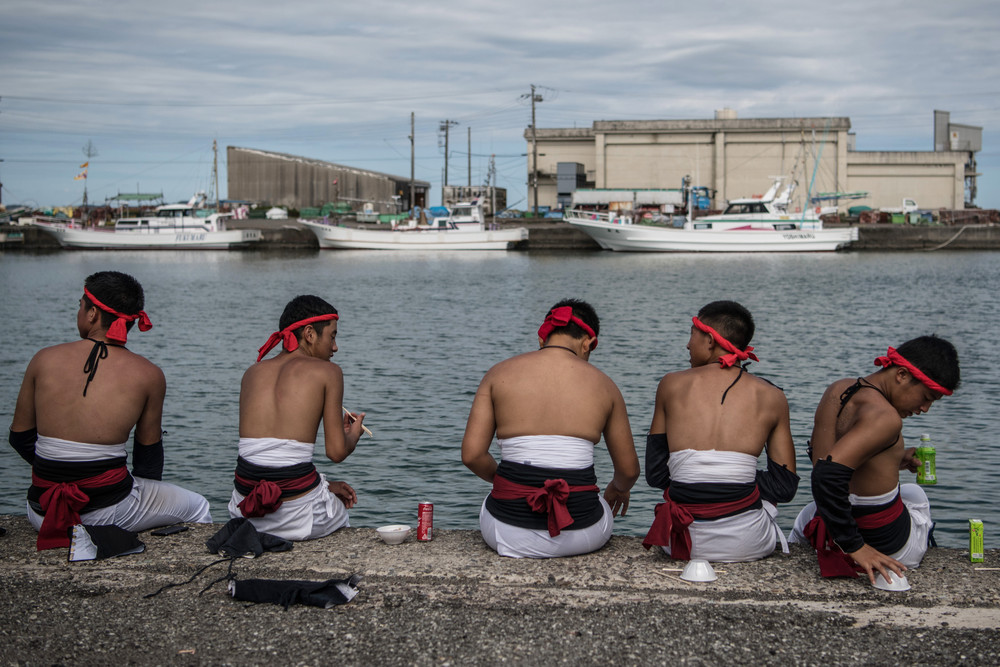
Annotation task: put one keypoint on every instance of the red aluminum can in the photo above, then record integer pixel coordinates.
(425, 522)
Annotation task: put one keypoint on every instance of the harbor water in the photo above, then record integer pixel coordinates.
(417, 332)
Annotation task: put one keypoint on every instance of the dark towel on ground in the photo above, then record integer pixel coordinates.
(239, 538)
(324, 594)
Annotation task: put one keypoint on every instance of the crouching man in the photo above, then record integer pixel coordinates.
(861, 514)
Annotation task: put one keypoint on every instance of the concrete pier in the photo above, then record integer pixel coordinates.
(453, 601)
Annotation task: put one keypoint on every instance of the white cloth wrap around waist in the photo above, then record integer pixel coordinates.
(691, 466)
(868, 501)
(276, 452)
(56, 449)
(548, 451)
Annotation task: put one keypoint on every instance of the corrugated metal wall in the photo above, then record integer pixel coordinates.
(297, 182)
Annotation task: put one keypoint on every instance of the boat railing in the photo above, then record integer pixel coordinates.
(610, 217)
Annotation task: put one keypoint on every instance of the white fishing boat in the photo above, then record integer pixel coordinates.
(754, 224)
(463, 229)
(170, 227)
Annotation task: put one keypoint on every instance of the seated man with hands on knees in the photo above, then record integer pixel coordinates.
(78, 403)
(710, 424)
(548, 409)
(282, 402)
(861, 517)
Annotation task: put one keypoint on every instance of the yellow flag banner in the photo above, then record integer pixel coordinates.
(84, 165)
(81, 176)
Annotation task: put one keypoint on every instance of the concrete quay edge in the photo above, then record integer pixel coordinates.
(454, 601)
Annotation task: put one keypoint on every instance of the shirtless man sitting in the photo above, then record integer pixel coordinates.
(710, 425)
(548, 409)
(77, 405)
(282, 401)
(861, 514)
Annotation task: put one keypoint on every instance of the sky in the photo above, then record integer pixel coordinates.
(150, 85)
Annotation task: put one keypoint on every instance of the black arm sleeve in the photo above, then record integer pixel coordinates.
(147, 460)
(830, 488)
(777, 484)
(23, 443)
(657, 455)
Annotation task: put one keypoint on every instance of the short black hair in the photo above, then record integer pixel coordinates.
(730, 319)
(302, 308)
(116, 290)
(936, 357)
(585, 312)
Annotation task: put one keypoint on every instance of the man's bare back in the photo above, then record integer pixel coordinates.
(127, 390)
(690, 410)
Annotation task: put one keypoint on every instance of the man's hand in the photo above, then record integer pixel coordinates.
(343, 491)
(872, 560)
(910, 461)
(616, 499)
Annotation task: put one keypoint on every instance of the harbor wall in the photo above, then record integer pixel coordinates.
(550, 235)
(453, 601)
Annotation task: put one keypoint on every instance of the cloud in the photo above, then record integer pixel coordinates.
(151, 84)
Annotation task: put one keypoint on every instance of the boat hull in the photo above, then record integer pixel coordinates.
(350, 238)
(154, 239)
(649, 238)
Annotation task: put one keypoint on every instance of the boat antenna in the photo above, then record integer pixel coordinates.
(215, 172)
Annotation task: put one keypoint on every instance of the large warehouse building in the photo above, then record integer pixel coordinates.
(736, 157)
(298, 182)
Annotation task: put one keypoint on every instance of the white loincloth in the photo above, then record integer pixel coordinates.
(150, 504)
(546, 451)
(917, 505)
(316, 514)
(749, 535)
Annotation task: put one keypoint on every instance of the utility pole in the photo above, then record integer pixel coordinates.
(534, 149)
(412, 133)
(444, 127)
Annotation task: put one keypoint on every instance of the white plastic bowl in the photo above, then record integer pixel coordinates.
(698, 570)
(394, 534)
(895, 583)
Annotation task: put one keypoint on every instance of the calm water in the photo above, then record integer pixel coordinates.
(417, 332)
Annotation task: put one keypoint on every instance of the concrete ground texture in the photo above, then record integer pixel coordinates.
(453, 601)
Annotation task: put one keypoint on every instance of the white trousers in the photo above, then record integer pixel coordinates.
(517, 542)
(314, 515)
(150, 504)
(920, 525)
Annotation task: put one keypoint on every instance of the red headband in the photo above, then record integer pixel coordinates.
(735, 353)
(287, 336)
(892, 357)
(117, 331)
(560, 317)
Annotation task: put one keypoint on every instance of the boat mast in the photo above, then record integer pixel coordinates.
(215, 171)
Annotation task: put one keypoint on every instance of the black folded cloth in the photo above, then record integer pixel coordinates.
(239, 538)
(324, 594)
(97, 542)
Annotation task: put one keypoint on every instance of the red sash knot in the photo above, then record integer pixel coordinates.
(62, 501)
(549, 498)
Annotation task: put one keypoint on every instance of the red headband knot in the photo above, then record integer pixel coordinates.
(117, 331)
(287, 335)
(895, 358)
(560, 317)
(735, 354)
